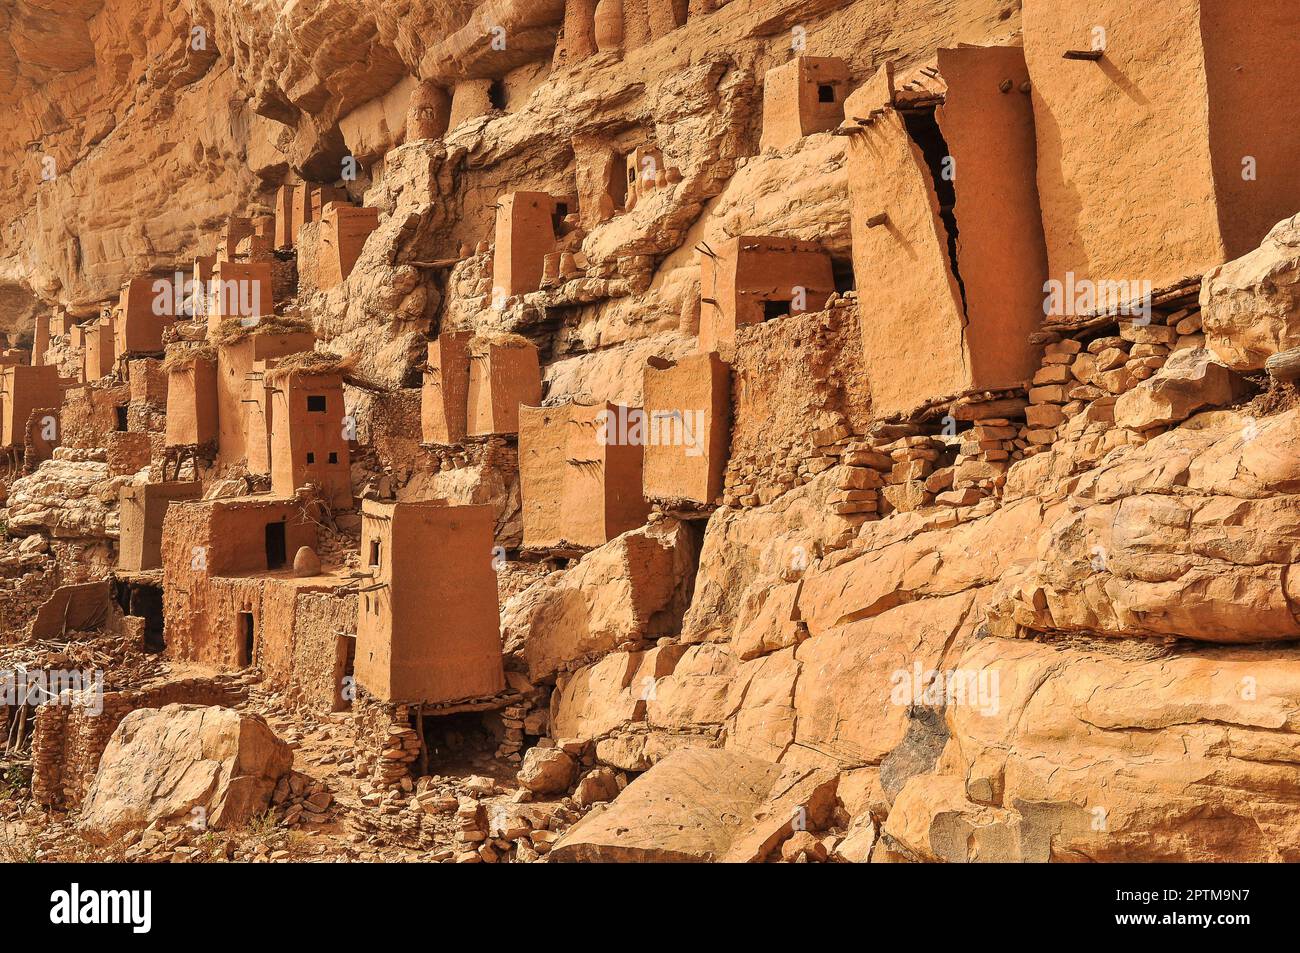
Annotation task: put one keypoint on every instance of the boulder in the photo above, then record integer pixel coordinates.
(632, 587)
(600, 784)
(1250, 307)
(686, 809)
(181, 764)
(1189, 381)
(547, 771)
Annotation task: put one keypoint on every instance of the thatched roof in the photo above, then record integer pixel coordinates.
(233, 329)
(178, 358)
(484, 339)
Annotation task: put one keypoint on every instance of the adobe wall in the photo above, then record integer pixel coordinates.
(792, 105)
(136, 328)
(342, 235)
(205, 546)
(99, 351)
(300, 650)
(688, 407)
(751, 270)
(525, 234)
(22, 389)
(602, 493)
(445, 392)
(141, 510)
(1252, 59)
(432, 632)
(241, 367)
(501, 377)
(799, 390)
(192, 404)
(241, 290)
(911, 304)
(1001, 254)
(309, 446)
(1125, 173)
(320, 654)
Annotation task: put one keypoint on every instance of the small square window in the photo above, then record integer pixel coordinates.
(825, 93)
(334, 457)
(775, 309)
(311, 458)
(316, 403)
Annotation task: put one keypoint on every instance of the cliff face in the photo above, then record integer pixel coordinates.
(960, 581)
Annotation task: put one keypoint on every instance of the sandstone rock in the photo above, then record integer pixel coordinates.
(306, 562)
(632, 587)
(1250, 308)
(547, 771)
(803, 847)
(1189, 381)
(687, 808)
(181, 762)
(598, 785)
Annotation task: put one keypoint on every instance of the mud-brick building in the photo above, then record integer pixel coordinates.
(526, 231)
(801, 97)
(141, 317)
(241, 290)
(24, 388)
(474, 385)
(428, 626)
(444, 395)
(308, 438)
(244, 407)
(580, 474)
(948, 252)
(141, 510)
(688, 420)
(1168, 134)
(216, 558)
(754, 278)
(191, 400)
(343, 233)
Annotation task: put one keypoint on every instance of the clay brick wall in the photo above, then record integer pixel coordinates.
(798, 396)
(577, 492)
(803, 96)
(431, 632)
(688, 407)
(68, 740)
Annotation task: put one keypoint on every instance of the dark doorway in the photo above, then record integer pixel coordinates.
(775, 309)
(497, 94)
(276, 552)
(147, 602)
(825, 93)
(247, 639)
(120, 411)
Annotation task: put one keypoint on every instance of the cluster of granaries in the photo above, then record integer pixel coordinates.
(953, 149)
